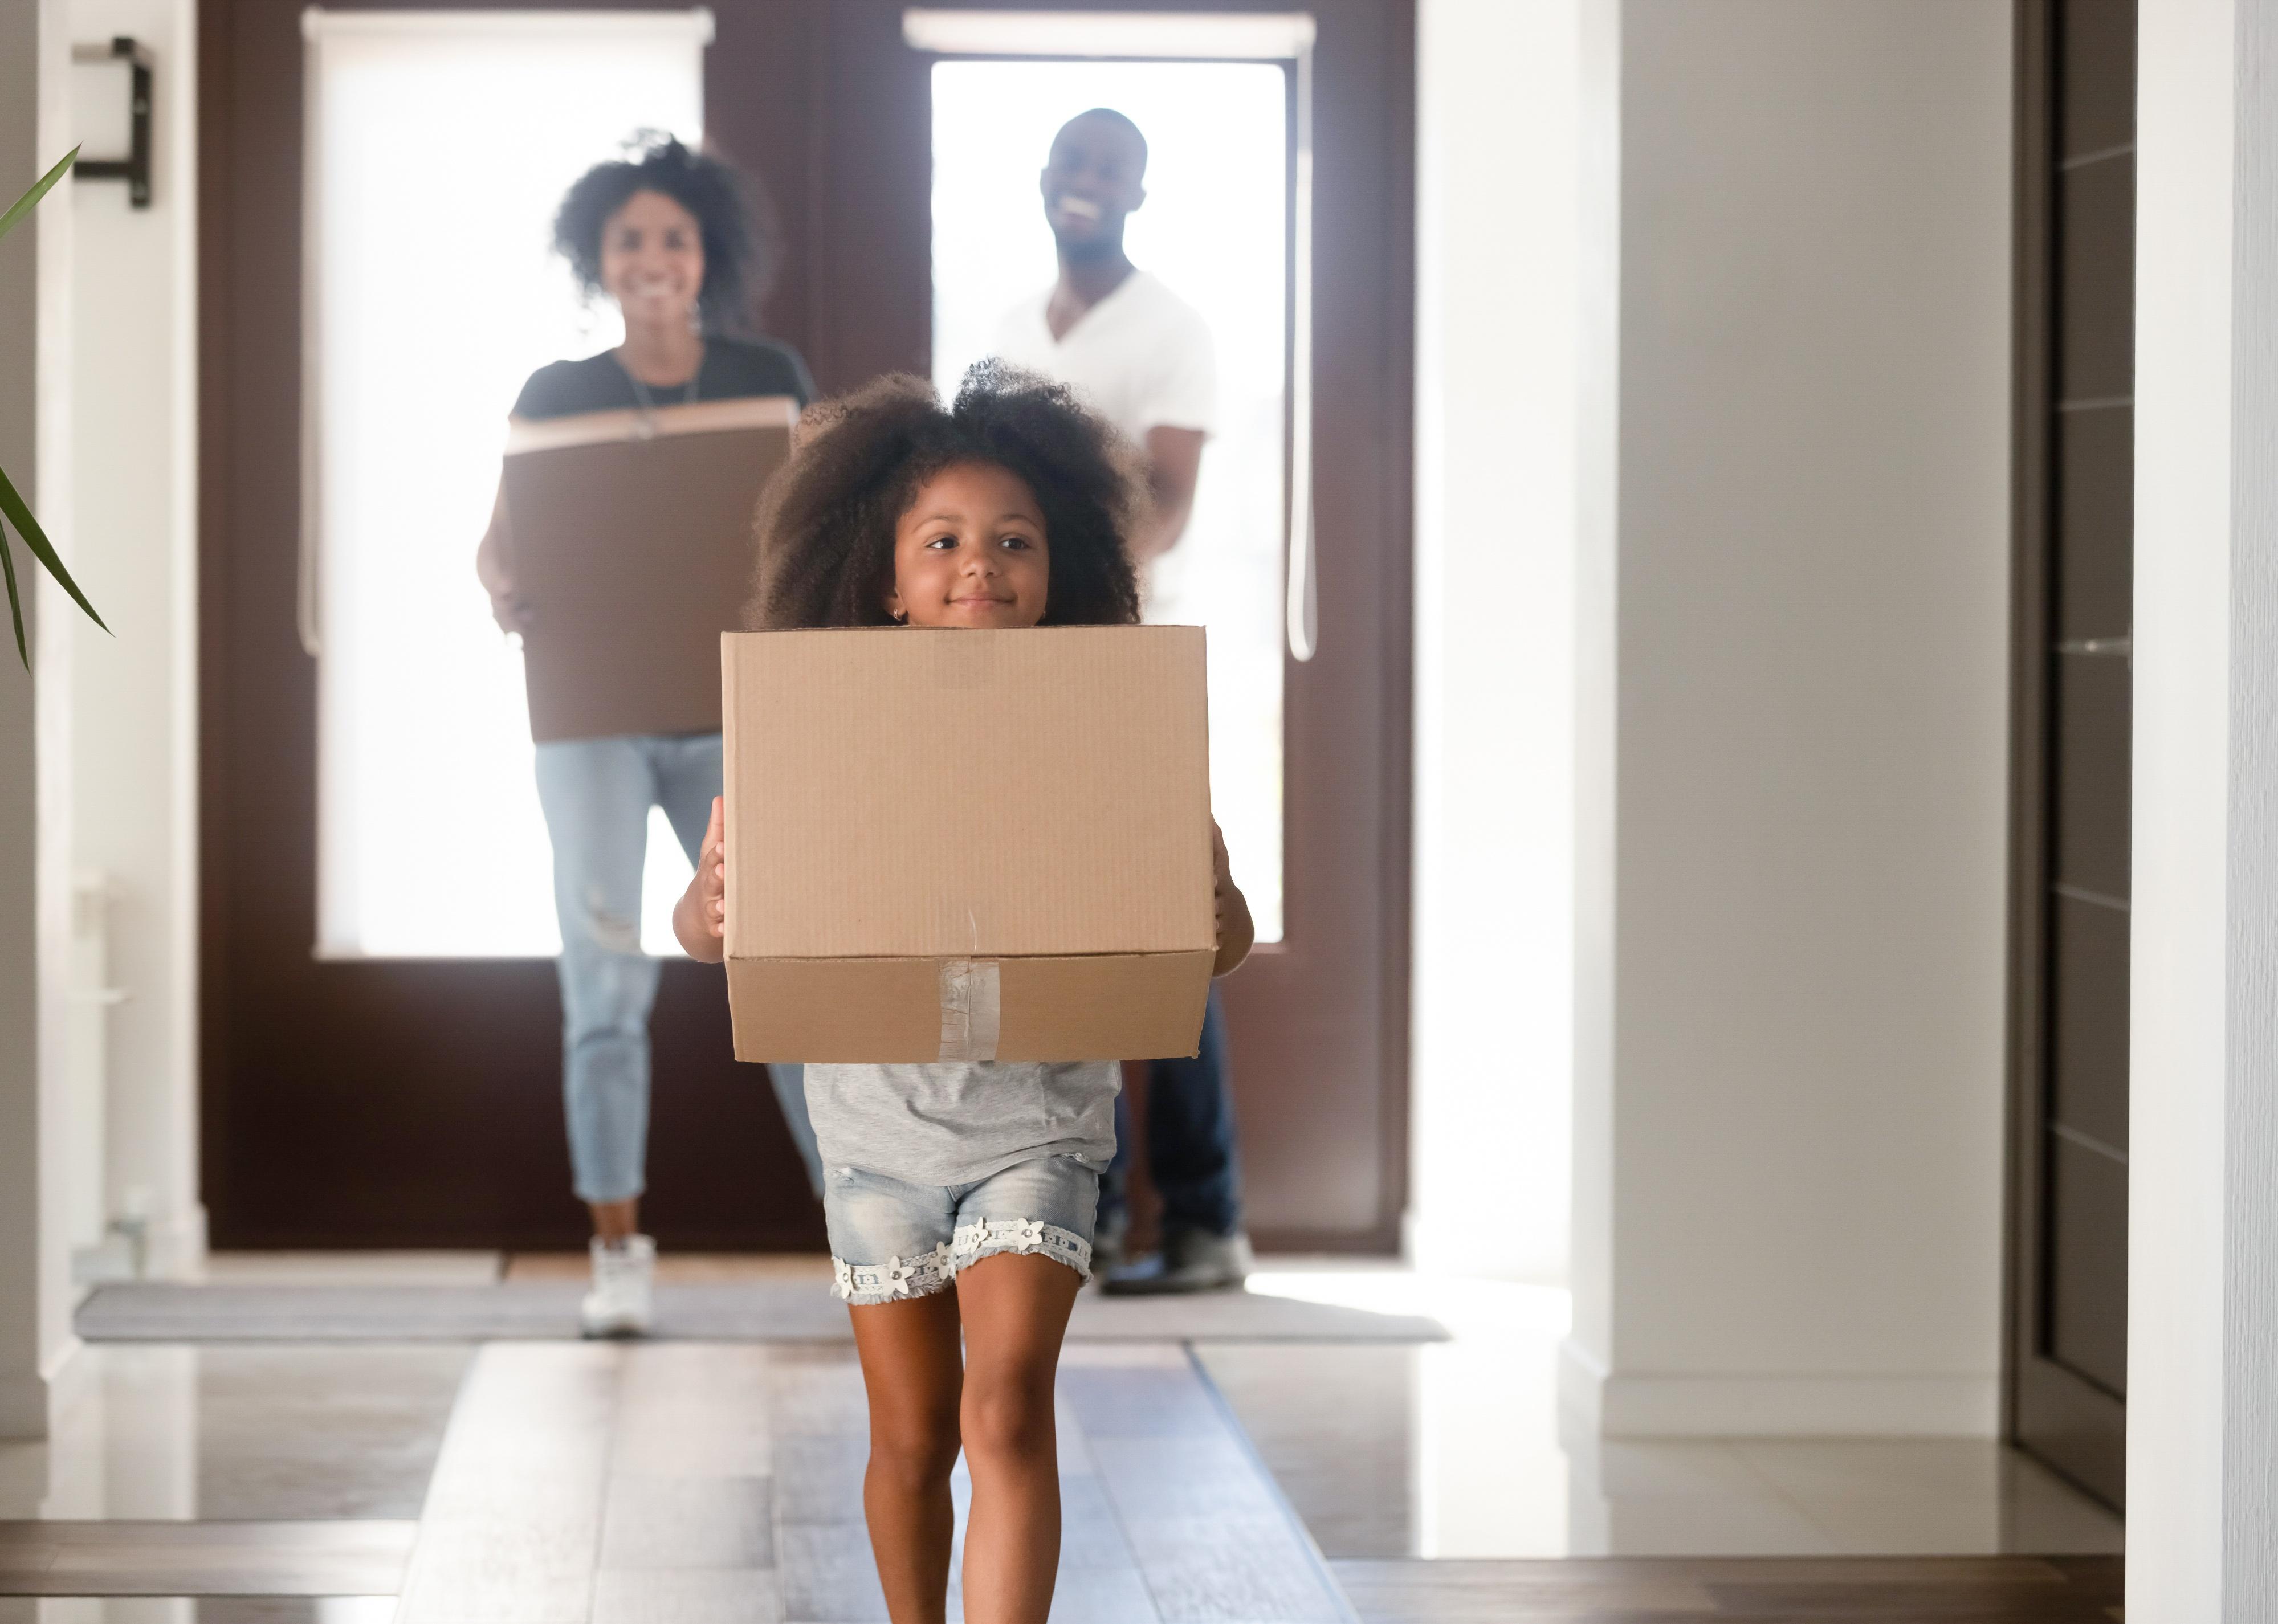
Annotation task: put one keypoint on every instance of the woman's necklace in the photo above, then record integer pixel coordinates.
(649, 401)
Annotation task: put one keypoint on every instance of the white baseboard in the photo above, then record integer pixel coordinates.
(23, 1407)
(1581, 1389)
(69, 1374)
(29, 1403)
(1647, 1405)
(177, 1246)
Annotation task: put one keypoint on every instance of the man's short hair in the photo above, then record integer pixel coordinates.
(1112, 116)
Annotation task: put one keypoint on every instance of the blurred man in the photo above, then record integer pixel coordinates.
(1136, 350)
(1141, 355)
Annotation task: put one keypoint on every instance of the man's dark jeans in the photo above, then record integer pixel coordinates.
(1190, 1138)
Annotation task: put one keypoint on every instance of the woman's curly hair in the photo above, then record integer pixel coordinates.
(740, 239)
(826, 524)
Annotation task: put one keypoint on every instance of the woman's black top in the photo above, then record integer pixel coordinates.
(733, 368)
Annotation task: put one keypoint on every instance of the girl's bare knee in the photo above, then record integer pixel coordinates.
(1007, 1421)
(917, 1456)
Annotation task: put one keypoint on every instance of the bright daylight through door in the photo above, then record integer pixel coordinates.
(440, 143)
(1214, 228)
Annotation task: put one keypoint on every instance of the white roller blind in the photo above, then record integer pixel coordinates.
(1169, 36)
(439, 145)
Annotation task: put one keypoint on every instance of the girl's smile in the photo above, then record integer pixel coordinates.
(970, 551)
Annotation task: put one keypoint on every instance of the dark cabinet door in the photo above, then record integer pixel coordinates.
(2076, 485)
(408, 1103)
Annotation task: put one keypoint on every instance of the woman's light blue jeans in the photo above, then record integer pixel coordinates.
(596, 794)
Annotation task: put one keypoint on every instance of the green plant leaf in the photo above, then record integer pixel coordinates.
(15, 609)
(25, 204)
(12, 506)
(13, 510)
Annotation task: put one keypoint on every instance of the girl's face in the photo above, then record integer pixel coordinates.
(969, 550)
(653, 259)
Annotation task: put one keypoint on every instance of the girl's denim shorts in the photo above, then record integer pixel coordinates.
(891, 1240)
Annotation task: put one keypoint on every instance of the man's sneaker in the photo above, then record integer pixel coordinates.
(1192, 1261)
(624, 1279)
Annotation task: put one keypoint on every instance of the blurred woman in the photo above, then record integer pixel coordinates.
(671, 236)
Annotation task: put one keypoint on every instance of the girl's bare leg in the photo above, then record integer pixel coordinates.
(911, 1371)
(1016, 1309)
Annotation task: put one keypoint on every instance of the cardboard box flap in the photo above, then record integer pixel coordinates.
(1140, 1006)
(922, 794)
(631, 534)
(533, 434)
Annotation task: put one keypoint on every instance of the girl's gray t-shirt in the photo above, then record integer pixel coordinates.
(955, 1123)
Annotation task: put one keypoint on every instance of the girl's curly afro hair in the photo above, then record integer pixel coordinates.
(728, 207)
(826, 525)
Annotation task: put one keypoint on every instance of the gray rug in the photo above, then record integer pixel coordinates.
(759, 1311)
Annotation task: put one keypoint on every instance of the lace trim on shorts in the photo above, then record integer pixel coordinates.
(863, 1284)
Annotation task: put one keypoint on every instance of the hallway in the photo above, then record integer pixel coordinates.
(1207, 1482)
(543, 1483)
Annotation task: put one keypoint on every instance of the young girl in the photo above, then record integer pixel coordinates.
(960, 1198)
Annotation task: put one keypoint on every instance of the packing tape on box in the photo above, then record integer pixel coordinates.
(970, 1009)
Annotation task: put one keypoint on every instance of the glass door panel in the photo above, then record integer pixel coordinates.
(1215, 230)
(433, 295)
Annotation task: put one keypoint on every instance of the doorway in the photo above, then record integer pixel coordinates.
(411, 1097)
(1215, 231)
(2066, 1401)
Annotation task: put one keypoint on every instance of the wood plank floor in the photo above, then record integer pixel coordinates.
(720, 1484)
(696, 1483)
(188, 1558)
(1738, 1590)
(693, 1484)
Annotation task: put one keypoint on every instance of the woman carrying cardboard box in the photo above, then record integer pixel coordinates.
(668, 235)
(960, 1197)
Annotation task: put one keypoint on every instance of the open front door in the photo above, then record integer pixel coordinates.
(415, 1099)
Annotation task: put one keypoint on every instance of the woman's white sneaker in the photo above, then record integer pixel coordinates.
(623, 1295)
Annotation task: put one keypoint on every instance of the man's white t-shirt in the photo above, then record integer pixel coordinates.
(1141, 357)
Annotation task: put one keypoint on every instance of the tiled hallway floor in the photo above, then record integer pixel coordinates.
(555, 1482)
(1454, 1450)
(552, 1483)
(259, 1433)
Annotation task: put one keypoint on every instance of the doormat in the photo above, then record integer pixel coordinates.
(754, 1311)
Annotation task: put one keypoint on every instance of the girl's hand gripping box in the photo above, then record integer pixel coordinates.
(966, 845)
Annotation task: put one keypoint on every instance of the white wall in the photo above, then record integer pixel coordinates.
(36, 1343)
(1492, 1052)
(2202, 1174)
(1795, 1124)
(135, 763)
(1597, 461)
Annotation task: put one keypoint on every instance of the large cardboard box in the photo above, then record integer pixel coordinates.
(967, 845)
(631, 533)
